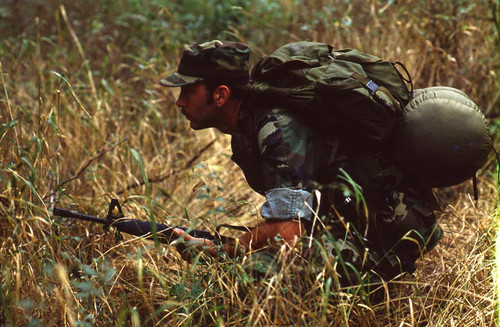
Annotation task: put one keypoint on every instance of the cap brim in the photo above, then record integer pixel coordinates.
(177, 79)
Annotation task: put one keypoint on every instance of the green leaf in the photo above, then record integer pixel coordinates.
(52, 121)
(109, 274)
(33, 171)
(88, 270)
(139, 161)
(73, 94)
(107, 87)
(84, 286)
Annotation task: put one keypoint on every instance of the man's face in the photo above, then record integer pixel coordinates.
(193, 102)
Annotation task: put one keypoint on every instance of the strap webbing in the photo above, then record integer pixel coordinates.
(474, 185)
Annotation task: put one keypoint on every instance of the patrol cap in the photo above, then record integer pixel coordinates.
(217, 61)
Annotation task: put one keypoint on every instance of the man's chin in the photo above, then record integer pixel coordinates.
(196, 127)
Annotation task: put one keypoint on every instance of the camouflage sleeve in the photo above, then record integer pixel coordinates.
(288, 166)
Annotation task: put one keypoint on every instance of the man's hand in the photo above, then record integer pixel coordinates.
(189, 243)
(268, 234)
(273, 233)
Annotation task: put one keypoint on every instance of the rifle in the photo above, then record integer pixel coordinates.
(138, 227)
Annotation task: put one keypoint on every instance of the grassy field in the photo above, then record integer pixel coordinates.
(84, 120)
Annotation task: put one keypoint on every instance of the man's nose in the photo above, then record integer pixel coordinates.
(180, 102)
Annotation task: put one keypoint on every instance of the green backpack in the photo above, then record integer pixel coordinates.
(358, 95)
(438, 136)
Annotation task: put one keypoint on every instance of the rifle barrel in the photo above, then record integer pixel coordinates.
(74, 214)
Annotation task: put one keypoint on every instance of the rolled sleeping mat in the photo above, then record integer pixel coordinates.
(443, 138)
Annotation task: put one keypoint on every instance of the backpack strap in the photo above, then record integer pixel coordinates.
(407, 80)
(474, 185)
(498, 163)
(474, 177)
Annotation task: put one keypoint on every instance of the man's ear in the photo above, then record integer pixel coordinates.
(221, 95)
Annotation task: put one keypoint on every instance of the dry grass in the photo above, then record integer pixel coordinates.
(84, 120)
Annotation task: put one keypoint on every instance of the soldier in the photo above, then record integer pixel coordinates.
(303, 175)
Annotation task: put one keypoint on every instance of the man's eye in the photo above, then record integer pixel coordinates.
(187, 89)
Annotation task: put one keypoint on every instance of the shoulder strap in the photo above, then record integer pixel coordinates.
(406, 79)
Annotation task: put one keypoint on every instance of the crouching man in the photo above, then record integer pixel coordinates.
(309, 182)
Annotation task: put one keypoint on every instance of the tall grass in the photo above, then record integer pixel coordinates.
(84, 120)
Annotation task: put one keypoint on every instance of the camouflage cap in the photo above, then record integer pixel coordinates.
(217, 61)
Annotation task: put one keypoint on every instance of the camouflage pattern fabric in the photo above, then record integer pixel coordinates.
(217, 61)
(275, 150)
(353, 262)
(402, 238)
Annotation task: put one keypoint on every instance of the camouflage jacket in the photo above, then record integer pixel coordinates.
(288, 162)
(285, 160)
(281, 158)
